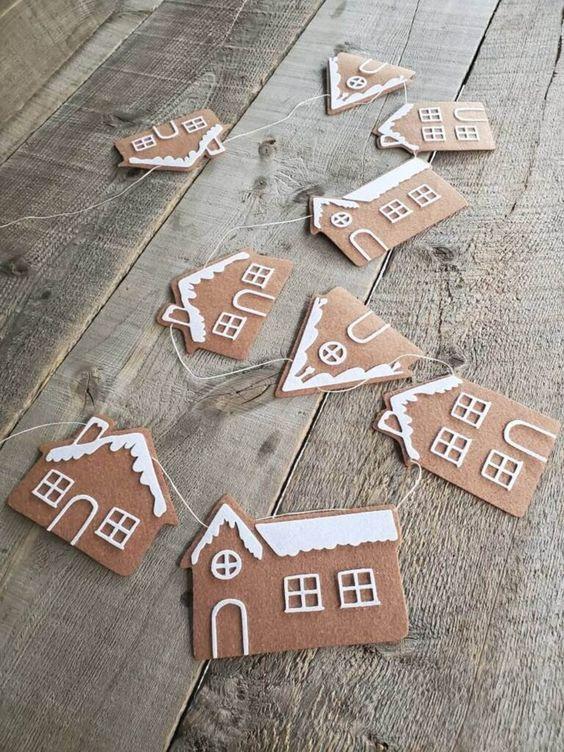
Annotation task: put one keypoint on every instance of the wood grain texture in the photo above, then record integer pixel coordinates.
(480, 668)
(119, 652)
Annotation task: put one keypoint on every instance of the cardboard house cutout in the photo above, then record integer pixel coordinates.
(295, 581)
(358, 79)
(437, 126)
(477, 439)
(179, 145)
(102, 493)
(389, 210)
(342, 343)
(221, 307)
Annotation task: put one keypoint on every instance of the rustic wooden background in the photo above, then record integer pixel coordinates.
(90, 661)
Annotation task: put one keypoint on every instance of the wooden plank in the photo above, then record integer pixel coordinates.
(128, 689)
(73, 73)
(479, 669)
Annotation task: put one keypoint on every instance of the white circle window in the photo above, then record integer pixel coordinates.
(357, 82)
(332, 353)
(226, 565)
(341, 219)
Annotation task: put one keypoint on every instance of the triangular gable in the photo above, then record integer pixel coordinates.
(389, 135)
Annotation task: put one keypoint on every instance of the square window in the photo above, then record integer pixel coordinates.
(145, 142)
(229, 325)
(357, 588)
(451, 446)
(430, 114)
(118, 526)
(467, 133)
(302, 592)
(195, 124)
(53, 487)
(424, 195)
(470, 409)
(501, 469)
(395, 210)
(257, 275)
(433, 133)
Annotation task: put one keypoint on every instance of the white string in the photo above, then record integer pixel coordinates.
(234, 21)
(405, 91)
(182, 499)
(414, 487)
(43, 425)
(83, 210)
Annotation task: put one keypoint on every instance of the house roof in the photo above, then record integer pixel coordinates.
(190, 159)
(225, 514)
(388, 127)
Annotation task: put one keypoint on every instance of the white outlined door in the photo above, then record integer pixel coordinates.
(93, 509)
(244, 624)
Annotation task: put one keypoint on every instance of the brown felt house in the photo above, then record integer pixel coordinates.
(473, 437)
(389, 210)
(102, 493)
(295, 581)
(222, 306)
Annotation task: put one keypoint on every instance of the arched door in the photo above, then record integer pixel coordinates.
(216, 632)
(90, 516)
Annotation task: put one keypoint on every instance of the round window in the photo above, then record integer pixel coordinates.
(341, 219)
(356, 82)
(332, 353)
(226, 565)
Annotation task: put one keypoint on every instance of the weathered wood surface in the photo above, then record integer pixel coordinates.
(106, 664)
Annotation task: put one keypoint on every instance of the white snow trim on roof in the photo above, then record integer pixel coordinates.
(341, 99)
(186, 288)
(291, 537)
(399, 403)
(136, 444)
(318, 203)
(295, 380)
(387, 129)
(376, 188)
(226, 515)
(191, 157)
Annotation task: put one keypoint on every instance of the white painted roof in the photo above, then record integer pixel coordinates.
(225, 514)
(389, 180)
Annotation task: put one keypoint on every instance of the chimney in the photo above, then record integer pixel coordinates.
(94, 429)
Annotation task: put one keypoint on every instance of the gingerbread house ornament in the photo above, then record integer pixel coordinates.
(298, 581)
(437, 126)
(102, 492)
(478, 439)
(221, 307)
(342, 343)
(180, 145)
(389, 210)
(359, 79)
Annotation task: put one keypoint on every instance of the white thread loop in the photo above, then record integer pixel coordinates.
(182, 499)
(414, 487)
(43, 425)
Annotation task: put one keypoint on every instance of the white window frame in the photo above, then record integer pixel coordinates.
(452, 453)
(357, 588)
(356, 83)
(228, 324)
(257, 275)
(421, 195)
(500, 469)
(194, 124)
(52, 486)
(430, 115)
(392, 213)
(144, 142)
(216, 565)
(302, 593)
(117, 526)
(341, 219)
(467, 132)
(433, 133)
(470, 409)
(328, 349)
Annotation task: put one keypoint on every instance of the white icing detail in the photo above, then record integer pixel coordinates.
(356, 82)
(526, 450)
(318, 203)
(365, 231)
(192, 157)
(356, 582)
(52, 487)
(253, 311)
(362, 67)
(332, 353)
(90, 517)
(395, 210)
(433, 133)
(389, 180)
(229, 325)
(399, 404)
(257, 275)
(464, 118)
(424, 195)
(144, 142)
(341, 219)
(467, 133)
(293, 536)
(136, 444)
(470, 409)
(340, 99)
(505, 469)
(390, 137)
(226, 565)
(194, 124)
(451, 446)
(226, 515)
(296, 598)
(122, 526)
(369, 337)
(94, 421)
(430, 115)
(244, 624)
(174, 133)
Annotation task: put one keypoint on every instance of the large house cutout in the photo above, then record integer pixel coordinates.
(389, 210)
(478, 439)
(295, 581)
(103, 493)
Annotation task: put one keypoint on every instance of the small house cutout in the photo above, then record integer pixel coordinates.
(102, 493)
(389, 210)
(477, 439)
(358, 79)
(295, 581)
(437, 126)
(222, 306)
(342, 343)
(179, 145)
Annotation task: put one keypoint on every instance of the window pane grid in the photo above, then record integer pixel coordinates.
(501, 469)
(451, 446)
(145, 142)
(257, 275)
(118, 526)
(433, 133)
(467, 133)
(395, 210)
(229, 325)
(470, 409)
(226, 565)
(53, 487)
(430, 114)
(424, 195)
(357, 588)
(302, 592)
(195, 124)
